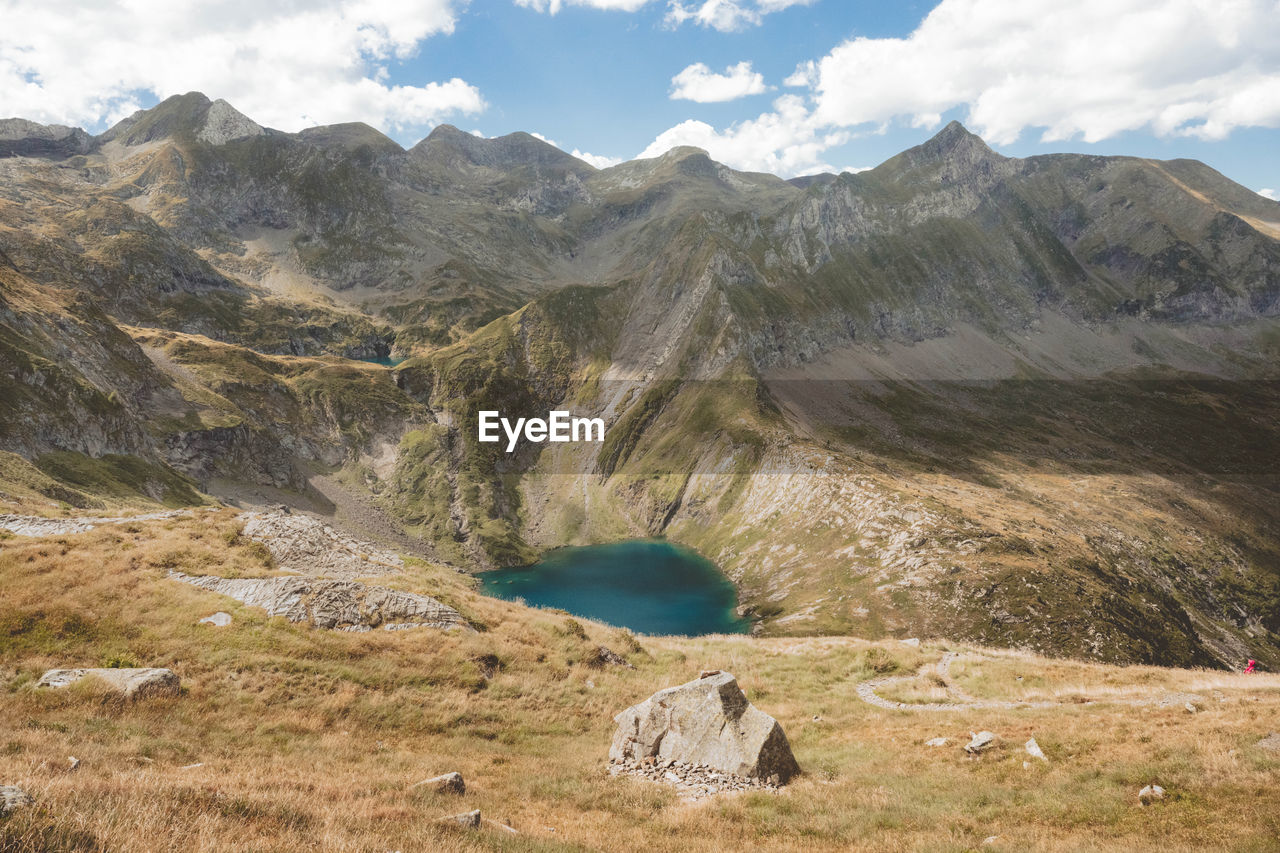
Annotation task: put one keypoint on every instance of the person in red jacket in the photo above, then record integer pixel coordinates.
(1249, 668)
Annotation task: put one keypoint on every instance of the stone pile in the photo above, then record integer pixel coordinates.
(691, 781)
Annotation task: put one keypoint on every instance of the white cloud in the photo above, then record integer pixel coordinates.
(597, 160)
(1093, 68)
(785, 142)
(285, 65)
(727, 16)
(805, 76)
(724, 15)
(1267, 192)
(554, 6)
(699, 83)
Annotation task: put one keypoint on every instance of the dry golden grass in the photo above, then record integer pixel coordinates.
(313, 740)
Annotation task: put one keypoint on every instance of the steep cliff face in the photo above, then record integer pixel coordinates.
(1028, 402)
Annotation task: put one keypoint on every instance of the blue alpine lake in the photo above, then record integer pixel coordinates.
(647, 585)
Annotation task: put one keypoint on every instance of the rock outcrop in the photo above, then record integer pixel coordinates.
(706, 723)
(337, 605)
(12, 797)
(132, 683)
(306, 545)
(33, 525)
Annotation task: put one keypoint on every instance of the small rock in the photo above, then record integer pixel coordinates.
(591, 685)
(937, 741)
(132, 683)
(192, 766)
(12, 797)
(913, 641)
(501, 827)
(75, 762)
(448, 783)
(1150, 794)
(604, 656)
(1191, 708)
(1271, 742)
(979, 741)
(471, 819)
(218, 620)
(989, 840)
(817, 719)
(1034, 750)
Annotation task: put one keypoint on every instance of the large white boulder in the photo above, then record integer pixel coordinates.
(132, 683)
(705, 722)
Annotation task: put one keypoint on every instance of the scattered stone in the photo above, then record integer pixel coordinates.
(131, 683)
(817, 718)
(338, 605)
(306, 545)
(74, 762)
(192, 766)
(914, 642)
(591, 685)
(1034, 750)
(989, 840)
(448, 783)
(707, 723)
(979, 742)
(1150, 794)
(501, 827)
(604, 656)
(470, 820)
(1271, 742)
(218, 620)
(937, 741)
(1191, 707)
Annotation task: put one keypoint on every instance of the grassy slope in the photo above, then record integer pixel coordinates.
(309, 738)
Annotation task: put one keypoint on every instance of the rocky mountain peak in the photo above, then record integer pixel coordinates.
(349, 135)
(223, 123)
(449, 145)
(192, 116)
(954, 144)
(22, 138)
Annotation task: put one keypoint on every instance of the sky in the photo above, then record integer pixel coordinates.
(784, 86)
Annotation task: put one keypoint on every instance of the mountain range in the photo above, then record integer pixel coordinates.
(1023, 402)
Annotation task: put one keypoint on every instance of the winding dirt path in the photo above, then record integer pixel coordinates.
(963, 701)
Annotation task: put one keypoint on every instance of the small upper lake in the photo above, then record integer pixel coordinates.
(385, 361)
(649, 586)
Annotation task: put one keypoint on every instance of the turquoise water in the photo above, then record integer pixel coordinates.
(385, 362)
(649, 586)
